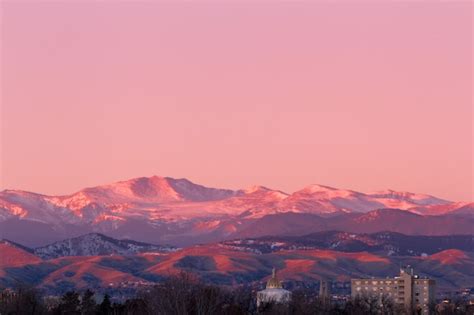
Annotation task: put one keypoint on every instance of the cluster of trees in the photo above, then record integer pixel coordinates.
(303, 302)
(183, 294)
(30, 301)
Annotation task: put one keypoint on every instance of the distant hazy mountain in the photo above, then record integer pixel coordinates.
(384, 243)
(464, 210)
(374, 221)
(179, 212)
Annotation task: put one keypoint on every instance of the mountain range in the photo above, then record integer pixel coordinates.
(95, 261)
(381, 243)
(163, 210)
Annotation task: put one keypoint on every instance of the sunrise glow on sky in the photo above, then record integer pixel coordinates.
(357, 95)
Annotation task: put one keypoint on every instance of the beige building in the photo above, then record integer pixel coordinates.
(408, 290)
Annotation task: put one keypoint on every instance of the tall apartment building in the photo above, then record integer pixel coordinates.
(408, 290)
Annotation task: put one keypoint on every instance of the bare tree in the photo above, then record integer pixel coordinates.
(23, 300)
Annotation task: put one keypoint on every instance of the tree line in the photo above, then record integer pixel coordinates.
(183, 294)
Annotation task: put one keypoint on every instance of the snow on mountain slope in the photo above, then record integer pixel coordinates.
(145, 198)
(35, 207)
(95, 244)
(168, 207)
(164, 198)
(253, 202)
(324, 199)
(408, 197)
(143, 190)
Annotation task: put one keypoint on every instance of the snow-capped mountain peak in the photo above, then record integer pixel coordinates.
(417, 199)
(178, 208)
(264, 191)
(315, 188)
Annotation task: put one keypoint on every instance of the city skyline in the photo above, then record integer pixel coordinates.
(236, 157)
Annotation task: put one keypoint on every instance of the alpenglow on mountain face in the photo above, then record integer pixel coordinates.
(164, 210)
(96, 261)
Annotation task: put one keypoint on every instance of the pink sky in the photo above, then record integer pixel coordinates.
(356, 95)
